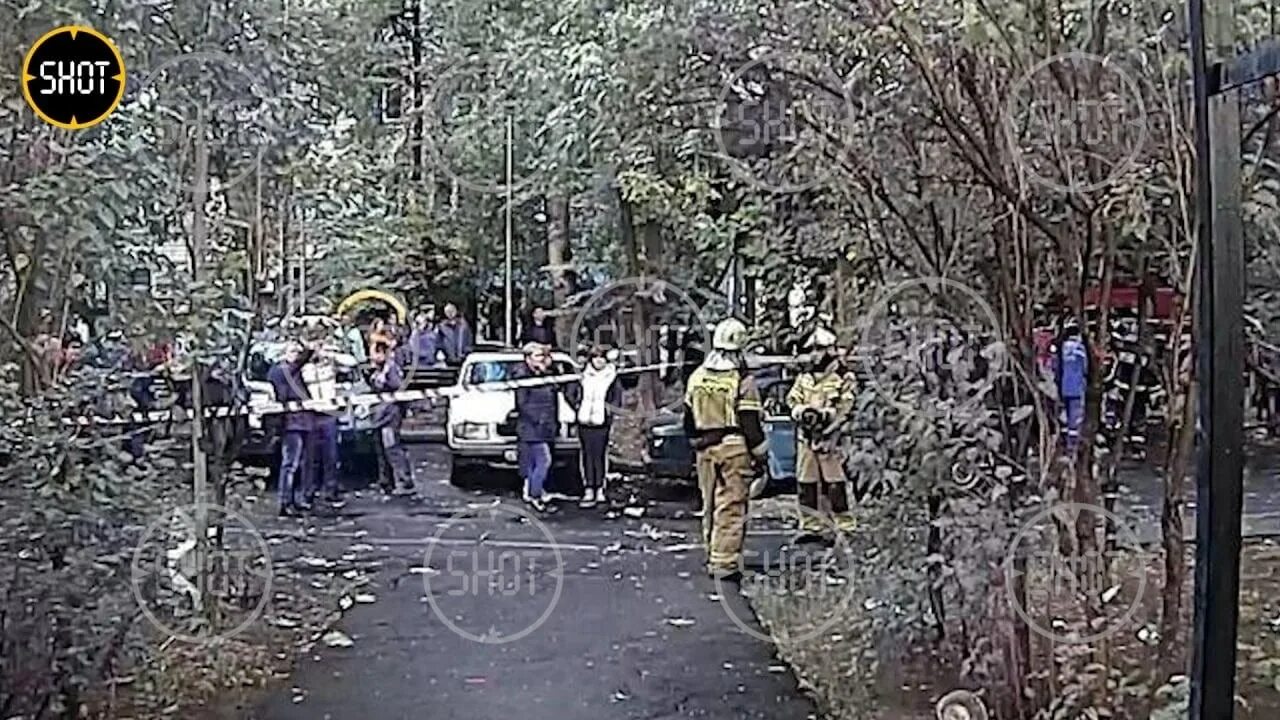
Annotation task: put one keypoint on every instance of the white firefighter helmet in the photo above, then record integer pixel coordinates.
(822, 339)
(730, 335)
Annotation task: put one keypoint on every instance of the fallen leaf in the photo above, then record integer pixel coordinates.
(366, 598)
(679, 622)
(1110, 593)
(634, 512)
(336, 638)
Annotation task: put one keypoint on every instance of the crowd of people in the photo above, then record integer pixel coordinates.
(387, 350)
(383, 353)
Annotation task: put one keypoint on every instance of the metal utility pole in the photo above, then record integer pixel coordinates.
(200, 466)
(509, 324)
(302, 265)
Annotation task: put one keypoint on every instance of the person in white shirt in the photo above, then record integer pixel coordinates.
(595, 399)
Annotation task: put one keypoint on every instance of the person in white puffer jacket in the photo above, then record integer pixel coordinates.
(595, 400)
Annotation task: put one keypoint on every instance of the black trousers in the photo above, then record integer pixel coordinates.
(595, 450)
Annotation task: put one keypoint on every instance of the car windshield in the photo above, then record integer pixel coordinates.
(489, 371)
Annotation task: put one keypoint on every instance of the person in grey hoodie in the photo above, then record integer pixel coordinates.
(455, 336)
(395, 470)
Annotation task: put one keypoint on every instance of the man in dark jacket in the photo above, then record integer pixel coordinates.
(455, 336)
(540, 329)
(537, 422)
(286, 379)
(396, 473)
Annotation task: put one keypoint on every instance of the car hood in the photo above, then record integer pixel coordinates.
(491, 407)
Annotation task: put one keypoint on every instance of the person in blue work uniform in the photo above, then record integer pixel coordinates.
(287, 381)
(1071, 367)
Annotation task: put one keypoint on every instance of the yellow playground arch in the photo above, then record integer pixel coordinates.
(355, 298)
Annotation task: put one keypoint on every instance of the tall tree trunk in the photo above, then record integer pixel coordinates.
(634, 254)
(1182, 432)
(559, 257)
(643, 319)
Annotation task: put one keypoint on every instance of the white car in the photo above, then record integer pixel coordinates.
(480, 430)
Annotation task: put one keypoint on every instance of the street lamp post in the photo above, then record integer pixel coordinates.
(508, 312)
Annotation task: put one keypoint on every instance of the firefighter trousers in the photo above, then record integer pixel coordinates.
(724, 478)
(821, 472)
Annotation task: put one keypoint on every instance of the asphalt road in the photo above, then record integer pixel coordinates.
(1142, 490)
(587, 616)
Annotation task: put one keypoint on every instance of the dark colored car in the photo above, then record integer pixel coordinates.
(668, 452)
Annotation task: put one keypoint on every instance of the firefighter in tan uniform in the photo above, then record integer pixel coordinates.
(820, 399)
(722, 418)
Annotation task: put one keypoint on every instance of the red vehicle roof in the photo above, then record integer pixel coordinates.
(1126, 296)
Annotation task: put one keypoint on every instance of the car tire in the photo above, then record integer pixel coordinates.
(461, 474)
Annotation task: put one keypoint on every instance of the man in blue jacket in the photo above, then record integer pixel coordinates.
(1072, 368)
(537, 422)
(286, 379)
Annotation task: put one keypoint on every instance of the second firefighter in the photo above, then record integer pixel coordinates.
(820, 399)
